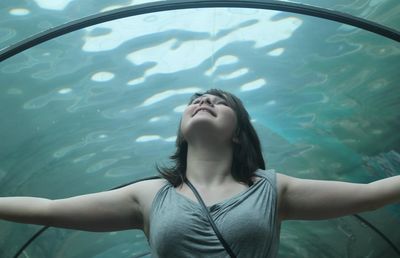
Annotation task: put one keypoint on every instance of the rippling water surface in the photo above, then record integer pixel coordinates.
(100, 106)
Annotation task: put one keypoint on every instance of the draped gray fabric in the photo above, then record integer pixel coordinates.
(247, 221)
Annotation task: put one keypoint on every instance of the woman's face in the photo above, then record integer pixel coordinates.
(210, 116)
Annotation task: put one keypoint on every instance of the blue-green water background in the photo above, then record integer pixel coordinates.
(98, 107)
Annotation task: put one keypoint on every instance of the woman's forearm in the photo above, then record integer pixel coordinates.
(30, 210)
(386, 191)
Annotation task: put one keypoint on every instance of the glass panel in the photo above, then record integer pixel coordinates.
(99, 107)
(343, 237)
(21, 19)
(70, 243)
(382, 12)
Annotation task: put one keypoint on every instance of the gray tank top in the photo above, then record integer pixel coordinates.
(247, 221)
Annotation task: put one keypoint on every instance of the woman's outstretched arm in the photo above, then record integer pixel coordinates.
(104, 211)
(315, 199)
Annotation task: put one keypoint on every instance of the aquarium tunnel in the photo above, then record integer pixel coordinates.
(91, 94)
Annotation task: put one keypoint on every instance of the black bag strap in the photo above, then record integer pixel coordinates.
(210, 219)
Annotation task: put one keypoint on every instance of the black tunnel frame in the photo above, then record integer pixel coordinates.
(183, 4)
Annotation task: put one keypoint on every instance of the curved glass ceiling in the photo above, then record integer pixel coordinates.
(23, 19)
(98, 107)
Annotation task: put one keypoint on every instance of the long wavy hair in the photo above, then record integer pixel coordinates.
(247, 155)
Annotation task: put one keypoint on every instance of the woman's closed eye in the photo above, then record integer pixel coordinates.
(222, 102)
(217, 102)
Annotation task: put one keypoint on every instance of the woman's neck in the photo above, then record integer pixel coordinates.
(209, 166)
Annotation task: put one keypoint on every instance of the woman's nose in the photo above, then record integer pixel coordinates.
(205, 100)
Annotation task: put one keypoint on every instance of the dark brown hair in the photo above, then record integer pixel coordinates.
(247, 155)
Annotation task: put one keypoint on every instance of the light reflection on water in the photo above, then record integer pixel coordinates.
(87, 111)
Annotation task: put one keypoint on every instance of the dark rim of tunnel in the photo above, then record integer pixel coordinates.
(181, 4)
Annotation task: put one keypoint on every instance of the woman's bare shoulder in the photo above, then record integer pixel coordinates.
(146, 190)
(152, 184)
(147, 184)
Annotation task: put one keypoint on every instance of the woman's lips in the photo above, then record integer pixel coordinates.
(203, 109)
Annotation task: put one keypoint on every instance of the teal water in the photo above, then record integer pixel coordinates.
(98, 107)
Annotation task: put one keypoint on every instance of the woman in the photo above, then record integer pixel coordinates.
(219, 152)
